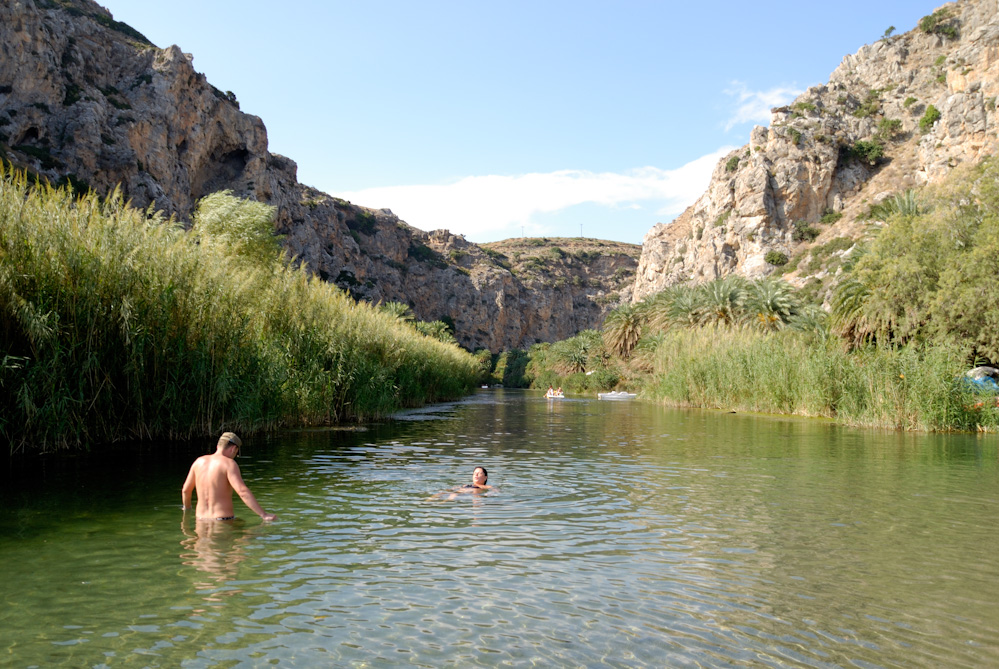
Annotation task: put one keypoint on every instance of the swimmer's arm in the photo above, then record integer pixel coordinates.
(243, 490)
(187, 489)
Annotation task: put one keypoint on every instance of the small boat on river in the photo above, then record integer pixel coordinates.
(617, 395)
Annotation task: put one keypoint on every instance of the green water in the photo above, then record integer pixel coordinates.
(621, 534)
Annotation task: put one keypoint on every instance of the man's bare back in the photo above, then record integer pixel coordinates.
(215, 477)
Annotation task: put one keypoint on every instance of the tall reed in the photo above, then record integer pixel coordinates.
(791, 372)
(116, 325)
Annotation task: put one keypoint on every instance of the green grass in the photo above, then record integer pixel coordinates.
(794, 373)
(118, 326)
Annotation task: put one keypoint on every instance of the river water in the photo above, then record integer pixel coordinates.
(619, 534)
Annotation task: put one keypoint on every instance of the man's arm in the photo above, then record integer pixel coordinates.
(243, 490)
(187, 489)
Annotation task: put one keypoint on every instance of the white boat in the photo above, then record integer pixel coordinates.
(555, 396)
(617, 395)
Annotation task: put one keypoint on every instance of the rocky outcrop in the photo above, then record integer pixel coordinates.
(809, 177)
(87, 100)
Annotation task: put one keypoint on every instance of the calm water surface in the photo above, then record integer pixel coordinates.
(621, 534)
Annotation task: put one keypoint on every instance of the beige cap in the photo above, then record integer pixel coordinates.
(229, 438)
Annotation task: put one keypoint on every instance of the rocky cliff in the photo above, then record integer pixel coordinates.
(88, 100)
(801, 188)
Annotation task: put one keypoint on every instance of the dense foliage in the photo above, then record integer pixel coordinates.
(930, 275)
(118, 324)
(913, 311)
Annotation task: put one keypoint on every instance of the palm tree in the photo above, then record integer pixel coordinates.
(438, 330)
(655, 309)
(900, 204)
(685, 308)
(622, 329)
(810, 318)
(770, 304)
(400, 311)
(646, 349)
(860, 316)
(721, 301)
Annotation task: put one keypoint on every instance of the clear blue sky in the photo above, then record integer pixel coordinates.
(496, 119)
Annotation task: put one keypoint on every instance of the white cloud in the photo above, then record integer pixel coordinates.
(493, 206)
(755, 106)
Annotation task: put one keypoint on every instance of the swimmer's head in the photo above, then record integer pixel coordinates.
(476, 475)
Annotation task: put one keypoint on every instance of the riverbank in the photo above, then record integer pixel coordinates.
(786, 372)
(121, 325)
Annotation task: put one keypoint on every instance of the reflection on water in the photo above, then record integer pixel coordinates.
(620, 534)
(216, 548)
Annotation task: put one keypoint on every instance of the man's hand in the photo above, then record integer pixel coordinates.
(269, 516)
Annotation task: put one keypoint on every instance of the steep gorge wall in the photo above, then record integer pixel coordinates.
(801, 168)
(88, 100)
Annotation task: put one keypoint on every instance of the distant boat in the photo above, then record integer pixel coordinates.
(555, 396)
(617, 395)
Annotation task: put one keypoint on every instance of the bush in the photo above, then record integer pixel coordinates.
(776, 258)
(940, 22)
(363, 222)
(732, 164)
(888, 128)
(722, 218)
(871, 104)
(870, 152)
(829, 217)
(931, 116)
(423, 253)
(804, 232)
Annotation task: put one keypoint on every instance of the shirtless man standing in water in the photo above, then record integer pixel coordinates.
(215, 476)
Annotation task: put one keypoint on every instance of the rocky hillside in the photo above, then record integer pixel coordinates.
(88, 100)
(896, 115)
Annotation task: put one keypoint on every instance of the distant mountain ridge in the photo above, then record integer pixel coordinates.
(799, 191)
(88, 100)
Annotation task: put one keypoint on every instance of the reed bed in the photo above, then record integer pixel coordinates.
(790, 372)
(116, 325)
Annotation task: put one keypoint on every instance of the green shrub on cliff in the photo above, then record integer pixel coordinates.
(930, 116)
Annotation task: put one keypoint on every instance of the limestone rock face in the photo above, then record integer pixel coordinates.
(88, 100)
(806, 164)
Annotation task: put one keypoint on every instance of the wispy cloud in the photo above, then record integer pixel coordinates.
(755, 106)
(494, 206)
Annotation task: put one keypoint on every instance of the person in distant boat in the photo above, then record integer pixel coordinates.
(215, 477)
(558, 393)
(550, 392)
